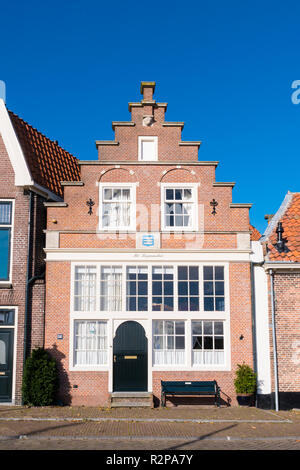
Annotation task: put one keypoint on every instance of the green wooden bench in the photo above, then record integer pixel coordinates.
(190, 388)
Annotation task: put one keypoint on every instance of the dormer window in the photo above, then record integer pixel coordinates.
(147, 148)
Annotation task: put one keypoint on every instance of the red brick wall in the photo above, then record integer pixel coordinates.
(287, 318)
(15, 296)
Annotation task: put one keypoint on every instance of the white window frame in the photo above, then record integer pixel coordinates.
(85, 365)
(132, 188)
(194, 202)
(147, 138)
(11, 226)
(203, 350)
(15, 328)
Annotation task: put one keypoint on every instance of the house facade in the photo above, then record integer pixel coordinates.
(148, 267)
(31, 168)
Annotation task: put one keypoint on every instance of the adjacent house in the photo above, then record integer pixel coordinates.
(31, 169)
(277, 292)
(148, 267)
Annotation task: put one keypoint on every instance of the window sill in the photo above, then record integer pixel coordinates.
(5, 285)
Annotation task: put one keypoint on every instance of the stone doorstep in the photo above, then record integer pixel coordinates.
(131, 399)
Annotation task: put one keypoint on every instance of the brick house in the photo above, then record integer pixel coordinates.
(31, 168)
(278, 307)
(148, 267)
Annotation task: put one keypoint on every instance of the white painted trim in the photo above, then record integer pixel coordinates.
(14, 150)
(12, 225)
(15, 328)
(90, 255)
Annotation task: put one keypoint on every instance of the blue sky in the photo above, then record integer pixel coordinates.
(225, 68)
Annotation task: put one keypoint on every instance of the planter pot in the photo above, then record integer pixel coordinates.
(245, 399)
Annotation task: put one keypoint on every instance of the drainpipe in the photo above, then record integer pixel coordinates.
(274, 339)
(27, 277)
(29, 280)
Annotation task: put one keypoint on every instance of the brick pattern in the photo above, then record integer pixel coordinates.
(287, 308)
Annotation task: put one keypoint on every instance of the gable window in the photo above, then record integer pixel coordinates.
(117, 207)
(5, 239)
(179, 204)
(147, 150)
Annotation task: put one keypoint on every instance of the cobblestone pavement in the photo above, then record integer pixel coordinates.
(86, 428)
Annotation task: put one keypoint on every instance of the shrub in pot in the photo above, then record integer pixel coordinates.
(40, 379)
(245, 384)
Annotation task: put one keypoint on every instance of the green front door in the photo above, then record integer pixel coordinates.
(6, 363)
(130, 366)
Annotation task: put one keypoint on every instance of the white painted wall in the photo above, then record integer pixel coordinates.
(261, 321)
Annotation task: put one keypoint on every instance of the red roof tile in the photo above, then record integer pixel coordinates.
(291, 224)
(49, 164)
(255, 235)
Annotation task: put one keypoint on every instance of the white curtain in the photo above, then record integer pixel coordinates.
(111, 288)
(85, 288)
(169, 357)
(90, 343)
(208, 357)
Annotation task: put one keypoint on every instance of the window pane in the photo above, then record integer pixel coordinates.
(208, 342)
(208, 288)
(159, 327)
(208, 272)
(194, 273)
(194, 303)
(219, 288)
(220, 304)
(182, 272)
(169, 327)
(219, 342)
(197, 342)
(208, 328)
(218, 328)
(4, 253)
(208, 304)
(197, 327)
(183, 303)
(219, 272)
(169, 194)
(182, 288)
(179, 327)
(5, 212)
(179, 342)
(7, 317)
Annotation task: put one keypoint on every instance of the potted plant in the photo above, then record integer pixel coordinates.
(245, 384)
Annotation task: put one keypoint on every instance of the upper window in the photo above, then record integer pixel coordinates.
(5, 239)
(148, 148)
(85, 288)
(117, 207)
(214, 294)
(179, 207)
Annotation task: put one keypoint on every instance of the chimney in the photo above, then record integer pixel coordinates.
(2, 91)
(147, 90)
(269, 217)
